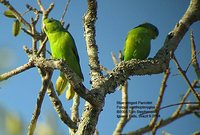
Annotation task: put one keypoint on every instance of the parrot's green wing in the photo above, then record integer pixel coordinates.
(74, 49)
(137, 45)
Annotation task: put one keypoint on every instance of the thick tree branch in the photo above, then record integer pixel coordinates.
(93, 108)
(92, 49)
(89, 120)
(74, 79)
(59, 108)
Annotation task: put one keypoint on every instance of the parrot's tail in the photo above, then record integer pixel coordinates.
(70, 92)
(61, 84)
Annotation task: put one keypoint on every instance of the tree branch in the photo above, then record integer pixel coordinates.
(125, 114)
(59, 108)
(166, 121)
(64, 12)
(194, 56)
(74, 112)
(159, 101)
(92, 49)
(16, 71)
(74, 80)
(47, 11)
(184, 99)
(186, 78)
(16, 13)
(45, 82)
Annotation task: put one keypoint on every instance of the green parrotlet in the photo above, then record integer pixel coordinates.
(63, 47)
(138, 41)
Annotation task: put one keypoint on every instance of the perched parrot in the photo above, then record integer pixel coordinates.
(63, 47)
(138, 41)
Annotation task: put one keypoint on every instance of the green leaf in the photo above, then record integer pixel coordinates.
(16, 27)
(9, 14)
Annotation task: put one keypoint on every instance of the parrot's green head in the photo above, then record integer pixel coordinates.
(51, 25)
(152, 29)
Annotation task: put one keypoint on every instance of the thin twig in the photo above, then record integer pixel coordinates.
(172, 105)
(125, 114)
(16, 13)
(45, 12)
(59, 107)
(194, 56)
(45, 82)
(181, 103)
(184, 99)
(42, 46)
(185, 78)
(30, 8)
(114, 58)
(197, 53)
(64, 12)
(105, 69)
(124, 111)
(41, 6)
(45, 15)
(27, 32)
(166, 121)
(16, 71)
(34, 39)
(121, 57)
(159, 101)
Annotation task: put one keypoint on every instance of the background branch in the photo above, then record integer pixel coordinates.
(159, 101)
(186, 78)
(45, 82)
(16, 13)
(125, 114)
(194, 55)
(64, 12)
(16, 71)
(74, 112)
(183, 100)
(59, 107)
(166, 121)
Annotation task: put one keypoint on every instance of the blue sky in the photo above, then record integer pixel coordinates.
(115, 19)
